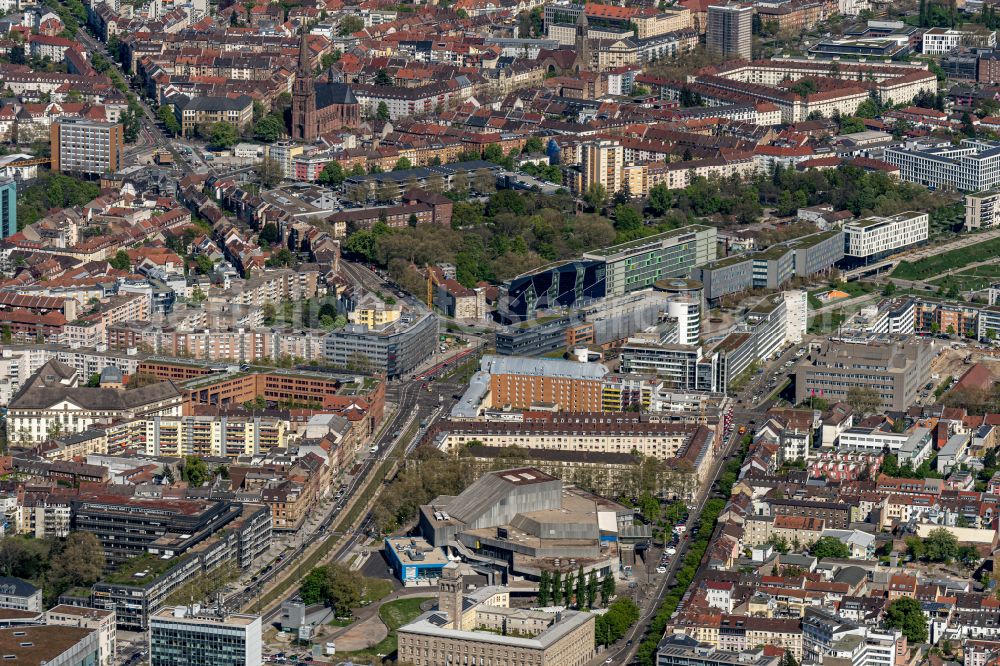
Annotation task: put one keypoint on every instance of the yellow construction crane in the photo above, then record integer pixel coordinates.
(432, 280)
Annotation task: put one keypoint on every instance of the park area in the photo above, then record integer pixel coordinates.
(376, 636)
(929, 267)
(972, 279)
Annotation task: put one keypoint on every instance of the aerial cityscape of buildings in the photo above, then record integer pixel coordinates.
(499, 333)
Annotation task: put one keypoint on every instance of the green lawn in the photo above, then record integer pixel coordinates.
(931, 266)
(376, 589)
(394, 614)
(972, 279)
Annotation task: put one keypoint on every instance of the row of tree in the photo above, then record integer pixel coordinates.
(701, 534)
(578, 590)
(940, 545)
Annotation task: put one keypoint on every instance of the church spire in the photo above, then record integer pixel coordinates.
(304, 60)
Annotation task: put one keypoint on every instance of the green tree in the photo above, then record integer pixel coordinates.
(557, 589)
(270, 234)
(544, 588)
(863, 399)
(850, 124)
(268, 129)
(940, 545)
(906, 615)
(788, 659)
(223, 135)
(382, 113)
(328, 59)
(581, 588)
(312, 589)
(194, 471)
(332, 174)
(592, 587)
(281, 258)
(121, 261)
(627, 218)
(203, 264)
(533, 146)
(607, 589)
(596, 195)
(166, 115)
(350, 25)
(611, 626)
(95, 380)
(660, 199)
(568, 588)
(829, 547)
(402, 164)
(78, 561)
(343, 588)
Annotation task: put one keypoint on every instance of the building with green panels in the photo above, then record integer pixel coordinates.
(638, 264)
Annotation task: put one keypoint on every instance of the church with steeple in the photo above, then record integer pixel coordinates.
(567, 61)
(320, 106)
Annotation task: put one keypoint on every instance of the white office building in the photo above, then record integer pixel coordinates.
(971, 166)
(938, 41)
(182, 635)
(796, 315)
(874, 237)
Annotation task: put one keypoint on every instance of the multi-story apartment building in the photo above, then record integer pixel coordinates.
(875, 237)
(896, 369)
(181, 635)
(982, 209)
(87, 147)
(214, 436)
(241, 345)
(599, 432)
(272, 286)
(19, 594)
(682, 367)
(523, 383)
(730, 30)
(971, 166)
(601, 164)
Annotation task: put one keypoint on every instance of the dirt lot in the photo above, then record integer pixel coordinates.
(953, 361)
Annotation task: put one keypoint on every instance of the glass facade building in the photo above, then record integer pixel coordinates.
(181, 637)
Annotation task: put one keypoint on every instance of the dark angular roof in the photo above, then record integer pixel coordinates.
(328, 94)
(16, 587)
(43, 397)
